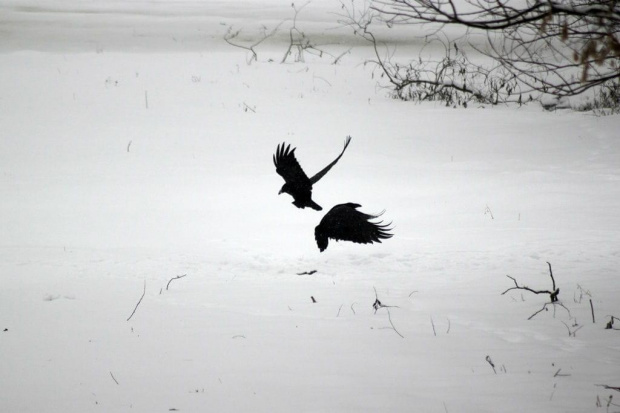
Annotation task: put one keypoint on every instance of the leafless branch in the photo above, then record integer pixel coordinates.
(231, 37)
(559, 47)
(553, 294)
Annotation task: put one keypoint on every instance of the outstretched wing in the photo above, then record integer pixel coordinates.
(287, 166)
(345, 223)
(320, 174)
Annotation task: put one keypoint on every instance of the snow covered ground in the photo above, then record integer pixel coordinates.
(136, 147)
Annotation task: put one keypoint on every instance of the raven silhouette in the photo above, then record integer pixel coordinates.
(345, 223)
(297, 184)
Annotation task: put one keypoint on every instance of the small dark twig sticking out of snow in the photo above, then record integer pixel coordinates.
(313, 300)
(488, 211)
(377, 305)
(488, 359)
(306, 272)
(553, 293)
(610, 324)
(616, 388)
(139, 301)
(113, 378)
(174, 278)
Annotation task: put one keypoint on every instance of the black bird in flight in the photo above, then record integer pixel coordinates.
(345, 223)
(297, 184)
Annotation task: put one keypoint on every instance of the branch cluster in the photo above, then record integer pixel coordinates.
(560, 47)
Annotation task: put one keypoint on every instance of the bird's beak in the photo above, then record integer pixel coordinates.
(280, 192)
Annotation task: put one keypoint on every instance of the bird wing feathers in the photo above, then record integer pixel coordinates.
(345, 223)
(287, 166)
(321, 173)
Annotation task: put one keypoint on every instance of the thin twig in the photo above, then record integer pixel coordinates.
(544, 307)
(391, 323)
(488, 359)
(113, 378)
(616, 388)
(306, 272)
(433, 324)
(174, 278)
(592, 308)
(337, 315)
(139, 301)
(247, 107)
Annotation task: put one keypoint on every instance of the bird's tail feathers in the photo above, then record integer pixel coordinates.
(315, 206)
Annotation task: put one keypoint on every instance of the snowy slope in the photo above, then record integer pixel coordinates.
(128, 160)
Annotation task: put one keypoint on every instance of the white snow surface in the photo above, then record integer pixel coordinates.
(136, 146)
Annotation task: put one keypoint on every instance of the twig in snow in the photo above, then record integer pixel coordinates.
(616, 388)
(174, 278)
(129, 145)
(340, 56)
(352, 309)
(592, 308)
(306, 272)
(139, 301)
(610, 324)
(391, 323)
(558, 374)
(488, 211)
(574, 332)
(412, 292)
(247, 107)
(433, 324)
(230, 35)
(377, 305)
(448, 330)
(544, 308)
(313, 300)
(488, 359)
(553, 293)
(337, 315)
(113, 378)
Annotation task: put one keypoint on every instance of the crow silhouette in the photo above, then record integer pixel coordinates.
(345, 223)
(297, 184)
